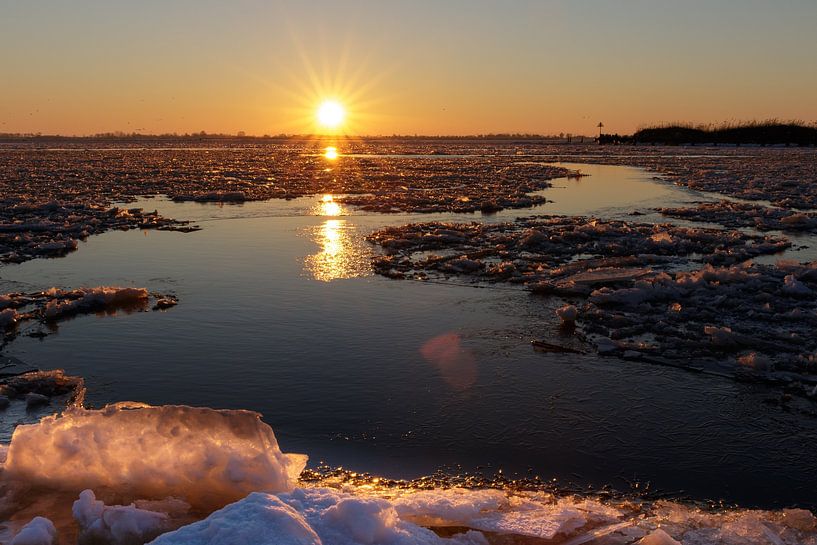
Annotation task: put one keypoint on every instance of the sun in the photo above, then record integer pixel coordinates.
(330, 114)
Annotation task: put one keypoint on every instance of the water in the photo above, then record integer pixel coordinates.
(279, 314)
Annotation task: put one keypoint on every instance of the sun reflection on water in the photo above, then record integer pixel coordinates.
(328, 207)
(342, 253)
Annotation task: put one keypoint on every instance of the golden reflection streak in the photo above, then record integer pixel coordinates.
(332, 245)
(342, 251)
(331, 153)
(328, 207)
(340, 255)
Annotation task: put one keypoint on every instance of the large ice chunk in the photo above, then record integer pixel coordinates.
(207, 457)
(658, 537)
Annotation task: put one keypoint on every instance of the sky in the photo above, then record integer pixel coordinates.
(402, 67)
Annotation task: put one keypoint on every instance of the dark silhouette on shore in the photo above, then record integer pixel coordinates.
(762, 133)
(759, 133)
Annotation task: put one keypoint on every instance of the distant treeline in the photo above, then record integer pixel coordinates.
(761, 133)
(205, 136)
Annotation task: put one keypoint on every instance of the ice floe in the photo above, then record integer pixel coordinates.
(41, 386)
(53, 229)
(532, 249)
(737, 214)
(737, 312)
(88, 300)
(79, 179)
(206, 457)
(53, 305)
(787, 177)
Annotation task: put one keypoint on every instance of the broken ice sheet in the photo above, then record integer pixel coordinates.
(495, 511)
(536, 249)
(737, 214)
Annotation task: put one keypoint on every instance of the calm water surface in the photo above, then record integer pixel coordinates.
(279, 314)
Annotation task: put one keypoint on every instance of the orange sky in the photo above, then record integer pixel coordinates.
(455, 67)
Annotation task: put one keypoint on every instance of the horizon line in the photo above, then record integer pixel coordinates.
(287, 136)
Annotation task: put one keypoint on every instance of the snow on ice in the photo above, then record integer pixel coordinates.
(120, 524)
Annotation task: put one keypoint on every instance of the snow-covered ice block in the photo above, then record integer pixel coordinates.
(260, 519)
(89, 299)
(756, 361)
(331, 517)
(609, 275)
(568, 314)
(116, 524)
(40, 531)
(309, 517)
(792, 286)
(720, 336)
(605, 345)
(345, 519)
(207, 457)
(658, 537)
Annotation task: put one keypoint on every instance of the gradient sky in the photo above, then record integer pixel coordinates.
(428, 67)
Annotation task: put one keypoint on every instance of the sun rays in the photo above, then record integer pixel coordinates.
(335, 92)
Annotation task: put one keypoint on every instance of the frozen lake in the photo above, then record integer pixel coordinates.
(279, 314)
